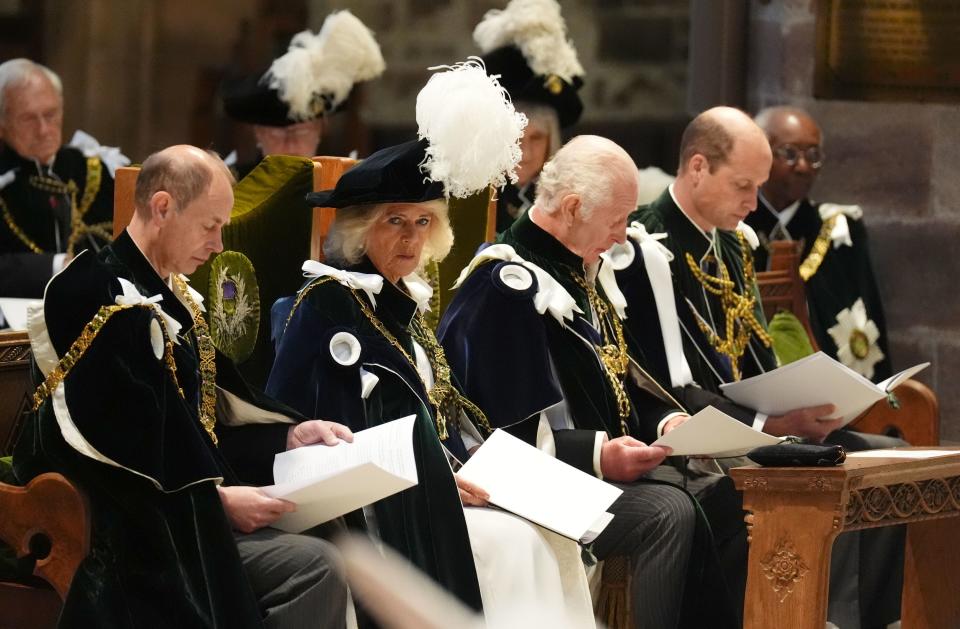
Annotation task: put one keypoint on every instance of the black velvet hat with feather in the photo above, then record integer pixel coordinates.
(314, 77)
(526, 44)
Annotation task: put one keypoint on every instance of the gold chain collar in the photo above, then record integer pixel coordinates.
(740, 321)
(613, 353)
(80, 346)
(208, 361)
(78, 227)
(819, 250)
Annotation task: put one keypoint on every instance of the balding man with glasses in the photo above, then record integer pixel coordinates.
(835, 259)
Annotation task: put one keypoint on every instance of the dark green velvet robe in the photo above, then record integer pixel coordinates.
(514, 362)
(424, 523)
(709, 368)
(43, 217)
(162, 551)
(845, 275)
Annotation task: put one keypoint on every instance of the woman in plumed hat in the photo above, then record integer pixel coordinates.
(526, 47)
(353, 345)
(287, 104)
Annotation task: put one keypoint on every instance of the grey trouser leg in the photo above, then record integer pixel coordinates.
(653, 524)
(294, 579)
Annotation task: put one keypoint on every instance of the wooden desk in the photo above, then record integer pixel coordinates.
(796, 513)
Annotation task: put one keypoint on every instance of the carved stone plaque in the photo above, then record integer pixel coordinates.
(884, 50)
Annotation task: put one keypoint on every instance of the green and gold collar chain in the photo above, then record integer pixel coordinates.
(208, 361)
(78, 227)
(613, 352)
(79, 347)
(738, 309)
(446, 400)
(818, 251)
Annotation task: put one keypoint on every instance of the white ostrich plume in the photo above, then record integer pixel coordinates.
(472, 129)
(538, 30)
(325, 65)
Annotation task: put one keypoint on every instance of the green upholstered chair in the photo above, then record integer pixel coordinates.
(264, 245)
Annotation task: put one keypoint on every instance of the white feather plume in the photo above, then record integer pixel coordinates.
(538, 30)
(326, 64)
(472, 129)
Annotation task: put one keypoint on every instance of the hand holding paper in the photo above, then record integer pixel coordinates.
(327, 481)
(714, 433)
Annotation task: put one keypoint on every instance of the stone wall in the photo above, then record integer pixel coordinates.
(898, 161)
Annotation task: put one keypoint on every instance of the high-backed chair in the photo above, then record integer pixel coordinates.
(268, 238)
(913, 414)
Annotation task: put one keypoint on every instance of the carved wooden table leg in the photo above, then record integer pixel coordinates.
(930, 594)
(791, 537)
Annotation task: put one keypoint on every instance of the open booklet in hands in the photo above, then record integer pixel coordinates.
(811, 381)
(326, 482)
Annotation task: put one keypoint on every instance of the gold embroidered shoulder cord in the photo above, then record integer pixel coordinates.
(208, 361)
(739, 310)
(819, 250)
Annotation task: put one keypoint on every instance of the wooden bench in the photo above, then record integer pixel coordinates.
(796, 513)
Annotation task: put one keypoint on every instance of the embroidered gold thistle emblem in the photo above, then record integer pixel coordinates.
(234, 305)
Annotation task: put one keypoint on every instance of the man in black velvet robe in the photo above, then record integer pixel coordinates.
(55, 201)
(835, 259)
(699, 323)
(138, 409)
(533, 334)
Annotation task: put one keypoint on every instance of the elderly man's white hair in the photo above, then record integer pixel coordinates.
(592, 167)
(16, 72)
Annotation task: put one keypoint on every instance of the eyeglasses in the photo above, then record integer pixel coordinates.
(791, 154)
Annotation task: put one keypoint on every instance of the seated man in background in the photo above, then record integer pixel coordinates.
(534, 336)
(695, 320)
(287, 105)
(141, 412)
(55, 201)
(846, 313)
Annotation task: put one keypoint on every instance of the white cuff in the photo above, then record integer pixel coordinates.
(760, 421)
(663, 422)
(597, 447)
(59, 259)
(469, 442)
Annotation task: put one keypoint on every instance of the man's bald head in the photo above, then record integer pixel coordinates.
(796, 142)
(182, 171)
(724, 159)
(714, 134)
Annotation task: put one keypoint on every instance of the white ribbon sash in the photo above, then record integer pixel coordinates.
(656, 259)
(132, 297)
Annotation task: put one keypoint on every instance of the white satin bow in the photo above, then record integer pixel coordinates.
(840, 234)
(420, 290)
(132, 297)
(551, 296)
(370, 283)
(90, 147)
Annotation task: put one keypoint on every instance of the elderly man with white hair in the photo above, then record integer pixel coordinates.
(55, 200)
(534, 337)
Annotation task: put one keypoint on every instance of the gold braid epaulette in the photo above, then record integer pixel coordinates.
(819, 250)
(80, 346)
(208, 362)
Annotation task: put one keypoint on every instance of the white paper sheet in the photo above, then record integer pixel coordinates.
(539, 487)
(811, 381)
(14, 311)
(714, 433)
(327, 481)
(900, 454)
